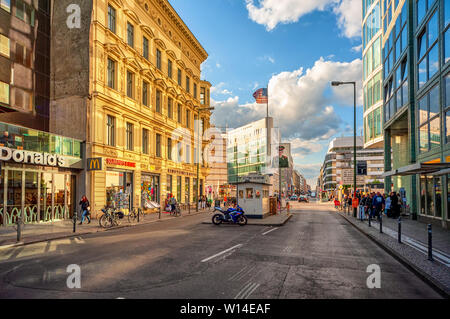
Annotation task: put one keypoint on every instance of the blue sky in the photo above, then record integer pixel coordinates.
(297, 46)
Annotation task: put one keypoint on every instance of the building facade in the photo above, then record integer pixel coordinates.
(416, 85)
(217, 180)
(372, 74)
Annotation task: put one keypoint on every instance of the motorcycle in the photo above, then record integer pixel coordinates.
(230, 216)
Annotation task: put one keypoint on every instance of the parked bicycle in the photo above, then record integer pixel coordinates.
(177, 211)
(134, 214)
(111, 217)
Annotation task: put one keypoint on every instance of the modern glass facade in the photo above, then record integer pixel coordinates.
(372, 73)
(416, 58)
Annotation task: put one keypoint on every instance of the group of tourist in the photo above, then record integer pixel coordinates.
(373, 205)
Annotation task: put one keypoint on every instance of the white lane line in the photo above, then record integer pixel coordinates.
(221, 253)
(238, 273)
(246, 273)
(251, 291)
(269, 231)
(244, 290)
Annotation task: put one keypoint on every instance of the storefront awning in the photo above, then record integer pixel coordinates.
(442, 172)
(422, 168)
(389, 173)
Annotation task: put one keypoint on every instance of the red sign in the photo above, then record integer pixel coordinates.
(114, 161)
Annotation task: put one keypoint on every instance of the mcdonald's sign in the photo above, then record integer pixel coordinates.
(95, 164)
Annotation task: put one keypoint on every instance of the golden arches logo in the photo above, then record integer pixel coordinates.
(95, 164)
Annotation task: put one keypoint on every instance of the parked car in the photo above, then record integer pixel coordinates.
(293, 197)
(303, 198)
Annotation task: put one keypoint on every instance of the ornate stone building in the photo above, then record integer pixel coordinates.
(134, 69)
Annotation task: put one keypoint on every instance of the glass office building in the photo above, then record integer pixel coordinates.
(416, 56)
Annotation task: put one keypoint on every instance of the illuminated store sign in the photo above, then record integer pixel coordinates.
(29, 157)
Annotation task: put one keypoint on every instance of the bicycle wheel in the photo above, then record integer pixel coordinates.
(132, 217)
(105, 221)
(141, 214)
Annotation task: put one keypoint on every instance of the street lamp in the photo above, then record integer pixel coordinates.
(337, 83)
(202, 109)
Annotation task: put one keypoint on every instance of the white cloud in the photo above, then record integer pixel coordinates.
(270, 13)
(298, 101)
(357, 48)
(349, 13)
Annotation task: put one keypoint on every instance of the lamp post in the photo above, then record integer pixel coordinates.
(202, 109)
(337, 83)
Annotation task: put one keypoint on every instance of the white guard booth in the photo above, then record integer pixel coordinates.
(253, 197)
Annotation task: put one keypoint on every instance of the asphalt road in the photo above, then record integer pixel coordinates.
(316, 254)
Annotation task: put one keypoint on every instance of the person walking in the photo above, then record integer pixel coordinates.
(378, 204)
(387, 208)
(395, 207)
(85, 209)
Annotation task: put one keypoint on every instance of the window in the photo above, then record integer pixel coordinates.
(4, 46)
(195, 90)
(23, 55)
(401, 84)
(158, 101)
(111, 19)
(202, 96)
(447, 108)
(130, 34)
(423, 6)
(111, 130)
(446, 30)
(188, 85)
(169, 68)
(4, 92)
(25, 12)
(158, 145)
(145, 93)
(429, 120)
(145, 47)
(188, 154)
(144, 141)
(111, 73)
(169, 148)
(158, 59)
(6, 5)
(129, 136)
(179, 77)
(188, 118)
(179, 114)
(130, 84)
(428, 54)
(169, 107)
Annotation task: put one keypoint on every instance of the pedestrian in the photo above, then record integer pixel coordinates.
(85, 209)
(172, 203)
(395, 207)
(387, 209)
(378, 204)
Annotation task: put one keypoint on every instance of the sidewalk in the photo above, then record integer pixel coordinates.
(412, 252)
(32, 233)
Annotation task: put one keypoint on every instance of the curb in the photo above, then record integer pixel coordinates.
(438, 287)
(97, 230)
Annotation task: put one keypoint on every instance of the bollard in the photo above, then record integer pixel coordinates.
(381, 222)
(139, 214)
(399, 230)
(430, 248)
(19, 229)
(369, 221)
(159, 212)
(189, 207)
(74, 221)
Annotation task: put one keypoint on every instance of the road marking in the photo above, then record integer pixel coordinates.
(245, 273)
(79, 240)
(270, 231)
(221, 253)
(238, 273)
(247, 290)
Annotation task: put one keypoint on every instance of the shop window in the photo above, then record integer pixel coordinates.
(119, 189)
(447, 107)
(46, 196)
(169, 184)
(149, 190)
(187, 188)
(249, 192)
(179, 189)
(437, 197)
